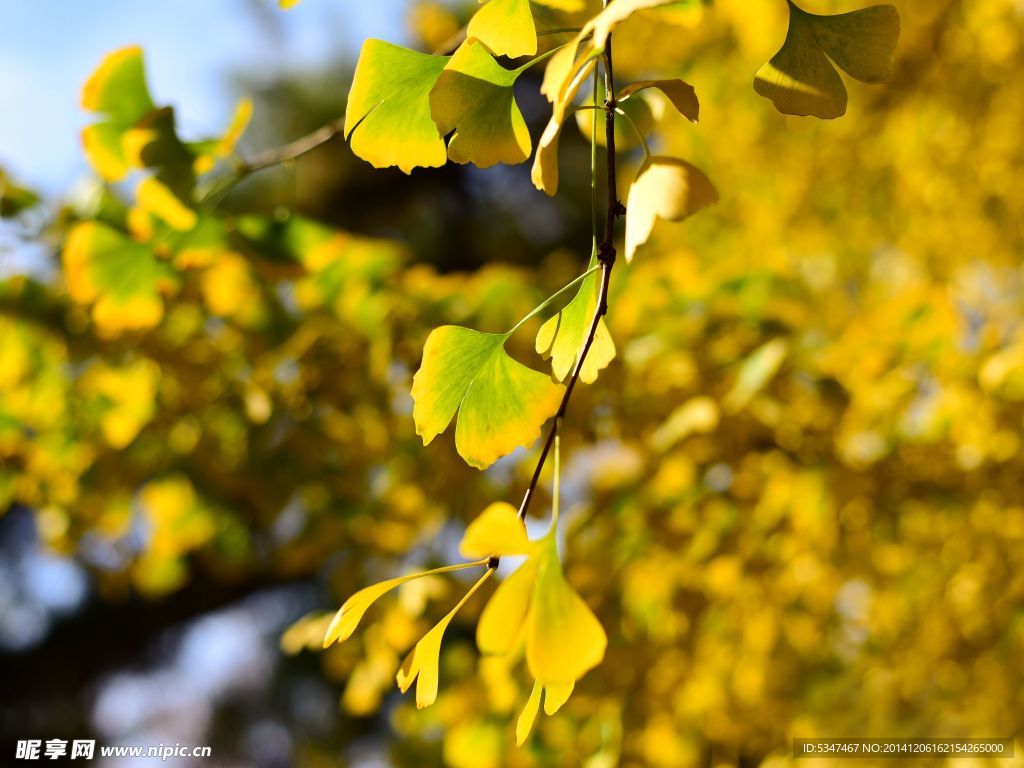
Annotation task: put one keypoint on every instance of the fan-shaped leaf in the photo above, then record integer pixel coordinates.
(679, 92)
(800, 78)
(118, 276)
(473, 97)
(664, 188)
(388, 118)
(506, 27)
(562, 337)
(501, 404)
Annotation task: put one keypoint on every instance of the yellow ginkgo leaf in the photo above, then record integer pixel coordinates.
(506, 27)
(473, 97)
(529, 714)
(388, 118)
(665, 188)
(800, 78)
(117, 87)
(351, 612)
(121, 278)
(565, 639)
(153, 196)
(679, 93)
(496, 531)
(613, 14)
(545, 163)
(562, 337)
(555, 695)
(423, 662)
(505, 614)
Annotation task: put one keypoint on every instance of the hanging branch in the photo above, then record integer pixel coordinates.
(605, 257)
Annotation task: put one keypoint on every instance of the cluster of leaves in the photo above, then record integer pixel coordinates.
(800, 511)
(411, 109)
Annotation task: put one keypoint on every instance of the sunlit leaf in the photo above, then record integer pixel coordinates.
(505, 614)
(118, 91)
(496, 531)
(565, 639)
(679, 93)
(529, 714)
(601, 26)
(561, 338)
(473, 97)
(506, 27)
(118, 87)
(545, 163)
(501, 404)
(665, 188)
(388, 118)
(424, 661)
(800, 78)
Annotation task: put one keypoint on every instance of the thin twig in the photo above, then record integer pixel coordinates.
(606, 257)
(292, 150)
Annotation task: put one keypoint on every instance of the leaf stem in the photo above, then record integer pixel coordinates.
(539, 59)
(636, 130)
(540, 307)
(606, 260)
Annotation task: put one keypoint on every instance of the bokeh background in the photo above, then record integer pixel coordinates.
(795, 498)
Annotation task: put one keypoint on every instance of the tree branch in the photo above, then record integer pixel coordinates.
(292, 150)
(606, 257)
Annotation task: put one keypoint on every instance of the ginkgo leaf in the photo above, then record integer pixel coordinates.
(601, 26)
(501, 404)
(424, 661)
(665, 188)
(562, 336)
(565, 638)
(473, 97)
(118, 87)
(118, 276)
(496, 531)
(800, 78)
(387, 118)
(506, 27)
(117, 90)
(555, 695)
(529, 714)
(503, 617)
(565, 74)
(679, 93)
(347, 618)
(545, 163)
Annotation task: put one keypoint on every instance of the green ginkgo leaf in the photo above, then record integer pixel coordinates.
(387, 118)
(665, 188)
(501, 404)
(800, 78)
(562, 337)
(120, 278)
(116, 90)
(506, 27)
(473, 97)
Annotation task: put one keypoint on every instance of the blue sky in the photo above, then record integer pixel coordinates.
(192, 47)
